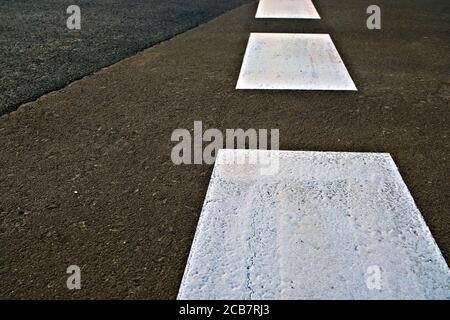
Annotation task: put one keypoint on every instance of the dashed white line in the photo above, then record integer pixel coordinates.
(287, 9)
(326, 226)
(287, 61)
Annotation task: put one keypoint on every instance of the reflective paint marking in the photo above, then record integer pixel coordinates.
(327, 225)
(287, 9)
(286, 61)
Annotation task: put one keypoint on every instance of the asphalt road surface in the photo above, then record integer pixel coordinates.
(87, 177)
(39, 54)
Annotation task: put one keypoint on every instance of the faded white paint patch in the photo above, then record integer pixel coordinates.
(287, 9)
(328, 226)
(288, 61)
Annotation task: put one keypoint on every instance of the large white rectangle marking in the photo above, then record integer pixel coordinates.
(287, 9)
(287, 61)
(326, 226)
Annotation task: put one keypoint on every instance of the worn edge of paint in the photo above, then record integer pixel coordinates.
(198, 229)
(425, 227)
(345, 67)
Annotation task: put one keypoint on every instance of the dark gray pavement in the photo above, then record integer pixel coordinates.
(39, 54)
(86, 176)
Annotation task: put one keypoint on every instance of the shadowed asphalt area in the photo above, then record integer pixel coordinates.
(39, 54)
(87, 177)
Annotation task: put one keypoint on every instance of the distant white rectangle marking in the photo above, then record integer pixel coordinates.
(287, 61)
(287, 9)
(327, 226)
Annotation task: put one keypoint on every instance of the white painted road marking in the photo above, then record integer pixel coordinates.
(288, 61)
(327, 226)
(287, 9)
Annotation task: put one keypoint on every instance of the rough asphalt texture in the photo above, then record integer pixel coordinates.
(86, 176)
(39, 54)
